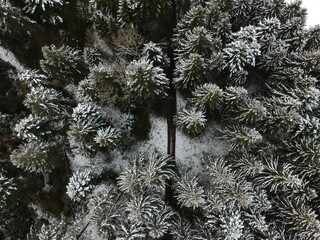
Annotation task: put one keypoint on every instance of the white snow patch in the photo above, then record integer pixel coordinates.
(112, 114)
(157, 143)
(181, 102)
(191, 151)
(80, 162)
(7, 56)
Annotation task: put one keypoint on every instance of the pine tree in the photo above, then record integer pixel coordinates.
(231, 226)
(194, 17)
(242, 137)
(106, 213)
(207, 97)
(46, 102)
(33, 78)
(144, 81)
(7, 188)
(307, 127)
(92, 55)
(146, 172)
(196, 41)
(191, 72)
(276, 177)
(242, 51)
(32, 5)
(191, 121)
(35, 156)
(101, 85)
(155, 55)
(79, 185)
(142, 13)
(63, 64)
(281, 120)
(182, 229)
(130, 231)
(5, 123)
(252, 111)
(233, 97)
(55, 228)
(47, 9)
(304, 150)
(160, 222)
(103, 14)
(249, 68)
(86, 120)
(189, 193)
(301, 217)
(33, 128)
(107, 137)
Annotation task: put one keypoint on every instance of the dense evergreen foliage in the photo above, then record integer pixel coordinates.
(77, 159)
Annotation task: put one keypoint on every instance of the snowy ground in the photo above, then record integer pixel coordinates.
(191, 151)
(157, 143)
(8, 56)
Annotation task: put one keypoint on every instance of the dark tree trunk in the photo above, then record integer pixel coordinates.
(172, 109)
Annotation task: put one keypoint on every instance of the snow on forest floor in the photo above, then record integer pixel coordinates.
(191, 151)
(9, 57)
(156, 143)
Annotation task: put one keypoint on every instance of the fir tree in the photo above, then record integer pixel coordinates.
(85, 122)
(35, 156)
(190, 121)
(33, 78)
(47, 9)
(46, 102)
(191, 72)
(79, 185)
(207, 97)
(189, 193)
(107, 137)
(63, 64)
(242, 137)
(7, 188)
(32, 5)
(33, 128)
(145, 81)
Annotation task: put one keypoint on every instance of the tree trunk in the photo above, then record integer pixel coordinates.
(172, 109)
